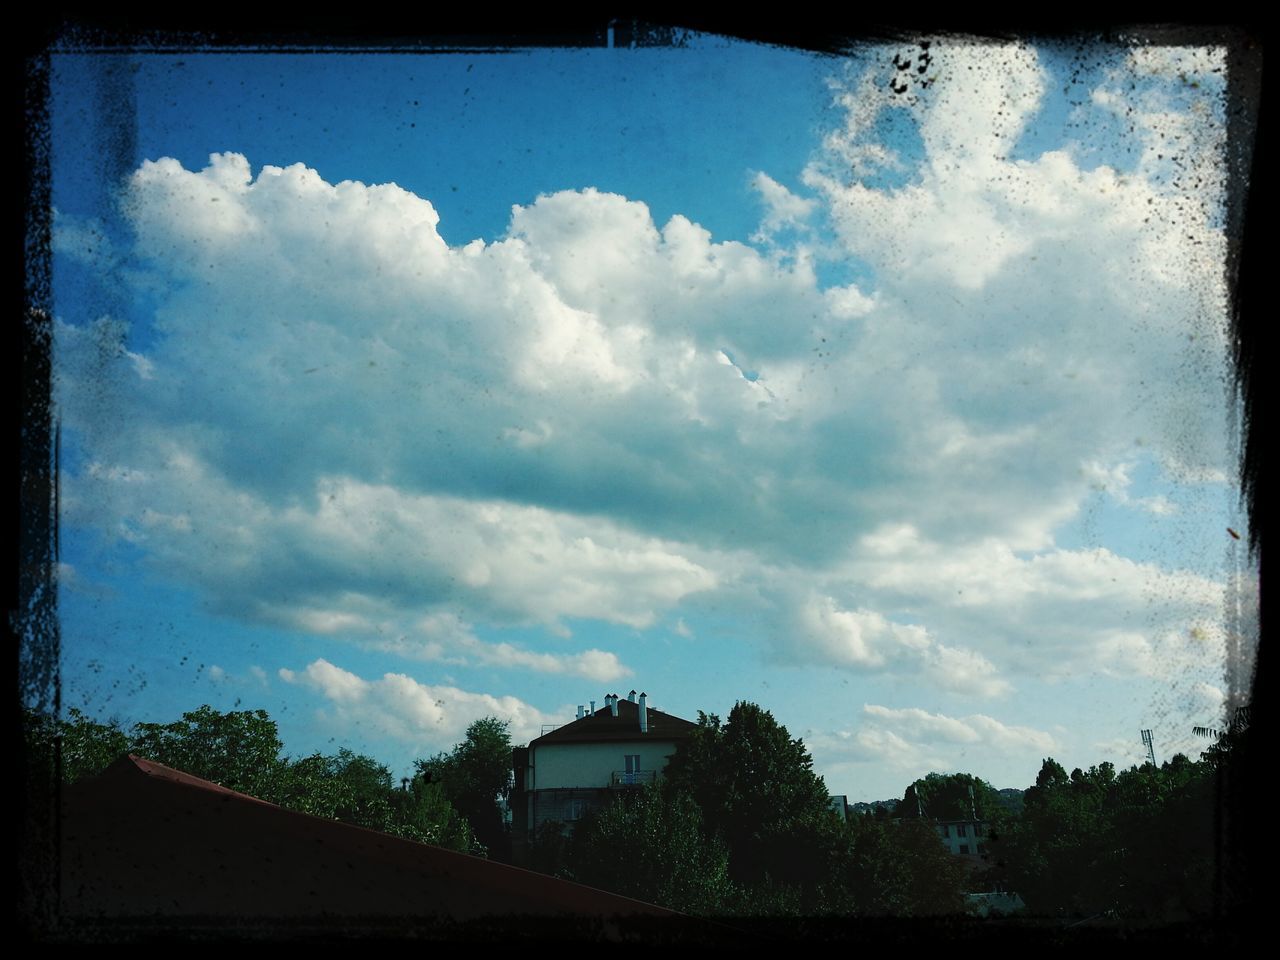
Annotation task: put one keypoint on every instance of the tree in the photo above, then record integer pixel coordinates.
(956, 796)
(476, 777)
(84, 747)
(901, 868)
(757, 792)
(1135, 844)
(650, 845)
(239, 750)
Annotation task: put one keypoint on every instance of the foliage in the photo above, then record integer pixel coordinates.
(476, 777)
(348, 787)
(239, 750)
(549, 850)
(901, 868)
(956, 796)
(758, 794)
(83, 746)
(649, 844)
(1137, 844)
(424, 813)
(358, 790)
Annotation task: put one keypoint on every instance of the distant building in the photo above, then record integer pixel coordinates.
(579, 766)
(840, 805)
(964, 838)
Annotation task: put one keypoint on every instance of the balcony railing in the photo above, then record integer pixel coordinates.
(636, 778)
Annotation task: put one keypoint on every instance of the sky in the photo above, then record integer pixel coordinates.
(889, 391)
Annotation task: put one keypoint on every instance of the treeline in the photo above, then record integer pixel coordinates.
(453, 800)
(741, 826)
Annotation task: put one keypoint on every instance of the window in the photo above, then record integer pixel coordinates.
(962, 830)
(631, 768)
(964, 848)
(575, 809)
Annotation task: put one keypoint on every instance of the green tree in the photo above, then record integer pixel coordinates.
(83, 746)
(476, 777)
(901, 868)
(349, 787)
(955, 796)
(649, 844)
(1134, 844)
(356, 789)
(424, 813)
(239, 750)
(757, 792)
(89, 747)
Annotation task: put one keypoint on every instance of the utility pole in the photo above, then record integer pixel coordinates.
(1150, 745)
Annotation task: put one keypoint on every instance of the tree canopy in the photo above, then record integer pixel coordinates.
(241, 750)
(954, 796)
(476, 778)
(758, 793)
(650, 845)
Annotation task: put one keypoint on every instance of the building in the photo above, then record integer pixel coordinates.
(964, 838)
(580, 765)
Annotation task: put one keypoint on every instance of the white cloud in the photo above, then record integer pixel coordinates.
(964, 671)
(1053, 613)
(910, 743)
(545, 428)
(921, 725)
(783, 209)
(417, 714)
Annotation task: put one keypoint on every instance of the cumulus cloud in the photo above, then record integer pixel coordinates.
(864, 640)
(598, 417)
(912, 742)
(1052, 613)
(417, 714)
(783, 209)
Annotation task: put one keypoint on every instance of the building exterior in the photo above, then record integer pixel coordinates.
(964, 838)
(579, 766)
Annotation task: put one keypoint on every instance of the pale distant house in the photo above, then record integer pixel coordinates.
(580, 765)
(964, 838)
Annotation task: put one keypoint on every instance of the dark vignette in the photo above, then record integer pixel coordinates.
(33, 613)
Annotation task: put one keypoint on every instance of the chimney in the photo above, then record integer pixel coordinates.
(613, 704)
(581, 713)
(632, 696)
(644, 715)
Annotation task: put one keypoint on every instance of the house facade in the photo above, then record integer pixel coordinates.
(582, 764)
(963, 838)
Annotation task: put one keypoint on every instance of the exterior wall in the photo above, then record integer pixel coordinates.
(974, 836)
(559, 766)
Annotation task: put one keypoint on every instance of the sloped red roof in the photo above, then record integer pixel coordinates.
(143, 840)
(604, 727)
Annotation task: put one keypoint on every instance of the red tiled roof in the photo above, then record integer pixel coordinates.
(604, 727)
(144, 840)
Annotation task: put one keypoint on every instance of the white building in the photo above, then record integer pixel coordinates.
(573, 768)
(964, 838)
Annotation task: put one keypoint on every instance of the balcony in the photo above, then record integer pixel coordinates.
(637, 778)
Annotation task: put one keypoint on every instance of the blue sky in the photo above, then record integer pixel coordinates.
(398, 391)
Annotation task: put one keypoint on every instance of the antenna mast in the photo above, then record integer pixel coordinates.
(1149, 743)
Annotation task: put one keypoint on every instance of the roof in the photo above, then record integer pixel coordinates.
(603, 727)
(146, 841)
